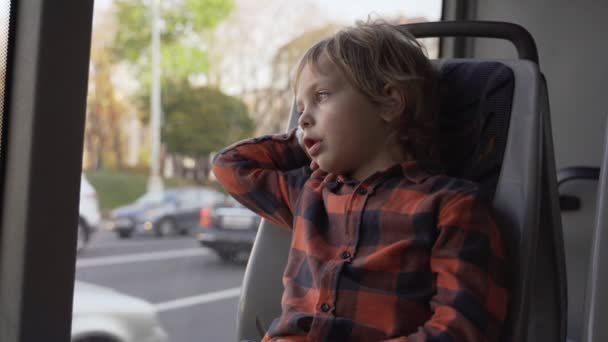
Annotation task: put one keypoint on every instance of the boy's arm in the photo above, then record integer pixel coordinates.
(265, 174)
(468, 259)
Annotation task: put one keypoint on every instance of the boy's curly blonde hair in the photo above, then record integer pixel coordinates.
(375, 54)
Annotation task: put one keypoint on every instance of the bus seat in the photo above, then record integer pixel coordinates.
(595, 307)
(577, 188)
(495, 130)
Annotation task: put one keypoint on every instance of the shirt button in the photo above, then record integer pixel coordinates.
(324, 307)
(345, 255)
(362, 191)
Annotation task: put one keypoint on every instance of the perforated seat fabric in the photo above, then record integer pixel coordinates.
(473, 123)
(491, 131)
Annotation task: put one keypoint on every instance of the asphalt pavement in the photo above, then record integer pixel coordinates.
(195, 293)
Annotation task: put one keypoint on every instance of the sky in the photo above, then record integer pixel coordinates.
(4, 7)
(350, 10)
(344, 12)
(347, 10)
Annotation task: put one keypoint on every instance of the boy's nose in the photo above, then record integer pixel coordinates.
(305, 120)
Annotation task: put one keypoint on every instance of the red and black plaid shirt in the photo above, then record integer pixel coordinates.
(408, 254)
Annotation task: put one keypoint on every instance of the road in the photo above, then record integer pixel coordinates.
(195, 293)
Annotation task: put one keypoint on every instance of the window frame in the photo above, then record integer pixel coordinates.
(45, 108)
(457, 47)
(43, 161)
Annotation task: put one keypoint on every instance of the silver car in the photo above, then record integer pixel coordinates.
(101, 314)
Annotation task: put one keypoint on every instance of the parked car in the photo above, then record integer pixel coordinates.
(168, 212)
(89, 216)
(102, 314)
(229, 230)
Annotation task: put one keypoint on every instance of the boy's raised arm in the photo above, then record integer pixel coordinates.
(265, 174)
(468, 259)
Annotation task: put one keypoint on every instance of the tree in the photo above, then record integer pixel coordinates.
(183, 22)
(104, 141)
(201, 120)
(272, 104)
(183, 46)
(242, 48)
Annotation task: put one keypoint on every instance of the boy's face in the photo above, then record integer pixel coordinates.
(343, 131)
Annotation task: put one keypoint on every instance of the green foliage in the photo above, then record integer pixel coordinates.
(181, 19)
(183, 62)
(133, 35)
(206, 13)
(116, 188)
(200, 120)
(183, 24)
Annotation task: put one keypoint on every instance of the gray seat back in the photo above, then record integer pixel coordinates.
(548, 301)
(507, 147)
(595, 311)
(578, 196)
(260, 300)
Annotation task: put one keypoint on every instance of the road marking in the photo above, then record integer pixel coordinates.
(98, 244)
(196, 300)
(140, 257)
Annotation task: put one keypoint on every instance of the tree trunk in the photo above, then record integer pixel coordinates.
(117, 147)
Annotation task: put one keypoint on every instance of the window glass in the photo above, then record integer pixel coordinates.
(151, 198)
(225, 75)
(5, 7)
(210, 198)
(188, 199)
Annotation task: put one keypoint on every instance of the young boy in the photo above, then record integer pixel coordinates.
(384, 246)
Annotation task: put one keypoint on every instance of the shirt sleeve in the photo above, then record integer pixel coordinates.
(265, 174)
(468, 259)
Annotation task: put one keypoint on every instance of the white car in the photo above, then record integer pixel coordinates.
(101, 314)
(89, 216)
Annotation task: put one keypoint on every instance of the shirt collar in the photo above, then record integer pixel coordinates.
(416, 171)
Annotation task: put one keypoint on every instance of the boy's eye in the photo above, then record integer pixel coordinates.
(322, 95)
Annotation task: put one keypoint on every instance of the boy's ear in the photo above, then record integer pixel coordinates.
(396, 105)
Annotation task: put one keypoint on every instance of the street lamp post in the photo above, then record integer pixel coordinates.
(155, 182)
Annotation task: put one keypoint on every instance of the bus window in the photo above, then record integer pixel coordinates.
(225, 71)
(4, 25)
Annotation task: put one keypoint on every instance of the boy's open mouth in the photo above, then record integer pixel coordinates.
(310, 142)
(312, 145)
